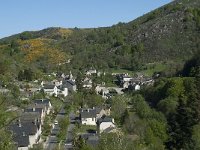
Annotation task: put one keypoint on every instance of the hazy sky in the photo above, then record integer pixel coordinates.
(26, 15)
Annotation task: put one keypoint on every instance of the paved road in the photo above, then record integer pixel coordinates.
(51, 143)
(69, 139)
(52, 139)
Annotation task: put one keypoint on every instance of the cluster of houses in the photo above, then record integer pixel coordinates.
(134, 83)
(27, 128)
(61, 86)
(99, 117)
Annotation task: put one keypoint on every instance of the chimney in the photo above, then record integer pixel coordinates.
(33, 108)
(88, 110)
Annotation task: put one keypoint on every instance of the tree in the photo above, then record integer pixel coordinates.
(140, 106)
(168, 105)
(6, 142)
(196, 137)
(118, 108)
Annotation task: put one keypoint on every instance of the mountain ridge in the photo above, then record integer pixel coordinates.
(169, 33)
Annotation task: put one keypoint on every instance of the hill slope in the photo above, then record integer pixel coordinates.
(168, 34)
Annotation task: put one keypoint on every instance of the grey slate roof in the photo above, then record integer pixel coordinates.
(34, 110)
(68, 83)
(42, 101)
(108, 130)
(104, 119)
(21, 140)
(29, 116)
(48, 86)
(21, 133)
(88, 113)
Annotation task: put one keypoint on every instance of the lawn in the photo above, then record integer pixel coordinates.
(85, 128)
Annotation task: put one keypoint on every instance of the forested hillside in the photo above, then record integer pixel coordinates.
(168, 36)
(165, 115)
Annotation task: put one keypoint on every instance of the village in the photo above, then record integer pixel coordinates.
(38, 123)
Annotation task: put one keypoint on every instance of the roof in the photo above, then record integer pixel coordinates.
(21, 132)
(104, 119)
(109, 129)
(21, 140)
(34, 110)
(30, 117)
(68, 83)
(28, 128)
(88, 113)
(100, 108)
(48, 86)
(42, 101)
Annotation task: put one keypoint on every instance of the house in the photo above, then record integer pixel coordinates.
(137, 87)
(105, 124)
(41, 111)
(70, 85)
(102, 91)
(50, 89)
(87, 83)
(21, 141)
(102, 111)
(33, 117)
(62, 90)
(91, 71)
(88, 116)
(57, 82)
(43, 103)
(24, 134)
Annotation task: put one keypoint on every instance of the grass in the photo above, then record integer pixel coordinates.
(120, 71)
(154, 67)
(85, 128)
(150, 68)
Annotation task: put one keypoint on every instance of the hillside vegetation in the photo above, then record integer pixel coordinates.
(168, 35)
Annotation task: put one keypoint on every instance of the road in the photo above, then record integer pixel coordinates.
(52, 142)
(69, 139)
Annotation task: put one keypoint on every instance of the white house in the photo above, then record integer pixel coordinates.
(50, 89)
(88, 116)
(63, 91)
(91, 71)
(87, 83)
(105, 124)
(137, 87)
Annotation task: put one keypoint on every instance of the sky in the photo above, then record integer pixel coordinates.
(29, 15)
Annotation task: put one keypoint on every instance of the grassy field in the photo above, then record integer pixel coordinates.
(150, 68)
